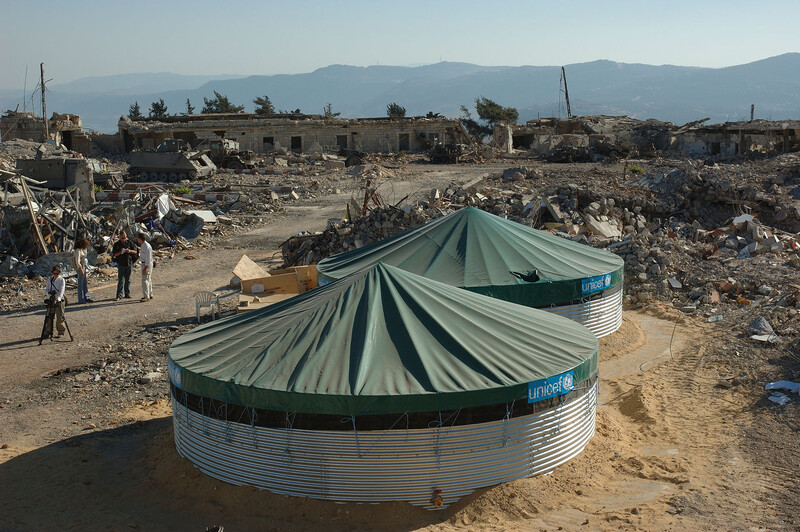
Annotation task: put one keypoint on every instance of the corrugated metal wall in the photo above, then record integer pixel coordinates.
(602, 315)
(391, 465)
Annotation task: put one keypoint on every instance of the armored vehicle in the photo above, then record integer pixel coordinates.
(171, 162)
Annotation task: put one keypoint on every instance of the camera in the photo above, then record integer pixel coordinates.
(52, 299)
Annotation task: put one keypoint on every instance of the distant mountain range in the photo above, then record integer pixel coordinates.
(671, 93)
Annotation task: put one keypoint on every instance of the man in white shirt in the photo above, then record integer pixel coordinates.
(146, 258)
(55, 284)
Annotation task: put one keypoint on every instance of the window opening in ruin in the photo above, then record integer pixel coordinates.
(341, 141)
(522, 141)
(297, 144)
(715, 148)
(403, 142)
(66, 138)
(269, 143)
(220, 133)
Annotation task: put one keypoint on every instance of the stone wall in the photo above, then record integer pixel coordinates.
(266, 134)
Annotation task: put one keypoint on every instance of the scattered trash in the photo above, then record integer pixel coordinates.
(789, 386)
(779, 398)
(760, 326)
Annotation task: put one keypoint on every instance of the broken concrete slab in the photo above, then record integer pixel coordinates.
(600, 228)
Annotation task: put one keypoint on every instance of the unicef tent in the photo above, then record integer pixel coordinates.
(484, 253)
(383, 386)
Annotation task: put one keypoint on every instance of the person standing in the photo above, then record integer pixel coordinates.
(146, 258)
(55, 288)
(124, 252)
(81, 266)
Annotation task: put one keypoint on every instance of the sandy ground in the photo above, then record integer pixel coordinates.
(669, 452)
(655, 443)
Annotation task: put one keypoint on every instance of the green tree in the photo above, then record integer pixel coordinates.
(134, 112)
(189, 107)
(494, 113)
(491, 113)
(431, 114)
(220, 104)
(264, 106)
(158, 109)
(327, 111)
(395, 110)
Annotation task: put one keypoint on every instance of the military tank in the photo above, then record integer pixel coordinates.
(171, 162)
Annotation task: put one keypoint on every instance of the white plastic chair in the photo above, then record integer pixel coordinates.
(206, 299)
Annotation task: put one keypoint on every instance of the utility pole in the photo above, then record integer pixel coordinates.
(44, 108)
(752, 110)
(566, 92)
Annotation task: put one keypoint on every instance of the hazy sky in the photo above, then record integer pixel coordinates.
(79, 38)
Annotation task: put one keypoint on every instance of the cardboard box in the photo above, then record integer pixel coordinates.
(306, 276)
(273, 284)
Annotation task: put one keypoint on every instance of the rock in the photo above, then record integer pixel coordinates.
(150, 377)
(600, 228)
(674, 283)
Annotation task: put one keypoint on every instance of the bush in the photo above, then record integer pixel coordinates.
(181, 190)
(635, 169)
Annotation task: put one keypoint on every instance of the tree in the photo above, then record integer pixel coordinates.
(189, 107)
(494, 113)
(475, 129)
(220, 104)
(395, 110)
(264, 106)
(134, 112)
(491, 113)
(327, 111)
(158, 109)
(431, 114)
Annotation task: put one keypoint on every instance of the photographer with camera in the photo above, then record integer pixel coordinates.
(55, 303)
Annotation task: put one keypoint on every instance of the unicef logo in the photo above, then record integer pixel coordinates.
(568, 381)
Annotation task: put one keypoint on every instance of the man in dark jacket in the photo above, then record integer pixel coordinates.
(124, 253)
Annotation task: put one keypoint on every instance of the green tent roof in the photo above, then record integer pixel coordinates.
(378, 342)
(474, 249)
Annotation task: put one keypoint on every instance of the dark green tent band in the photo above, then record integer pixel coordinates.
(259, 417)
(353, 405)
(545, 293)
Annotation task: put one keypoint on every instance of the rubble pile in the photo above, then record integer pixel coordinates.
(671, 224)
(378, 224)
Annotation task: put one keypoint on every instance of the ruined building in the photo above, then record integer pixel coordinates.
(295, 132)
(65, 130)
(585, 137)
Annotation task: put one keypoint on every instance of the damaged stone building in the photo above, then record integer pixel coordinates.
(64, 130)
(599, 136)
(297, 133)
(596, 134)
(739, 138)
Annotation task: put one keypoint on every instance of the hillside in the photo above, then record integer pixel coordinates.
(673, 93)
